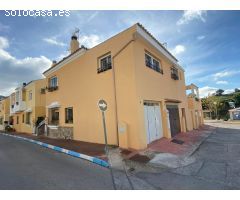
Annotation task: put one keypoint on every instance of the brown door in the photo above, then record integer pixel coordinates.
(174, 119)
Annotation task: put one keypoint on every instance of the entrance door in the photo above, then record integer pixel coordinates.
(174, 119)
(153, 121)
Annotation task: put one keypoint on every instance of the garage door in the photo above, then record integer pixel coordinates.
(153, 121)
(174, 119)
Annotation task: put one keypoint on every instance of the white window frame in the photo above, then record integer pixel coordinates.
(152, 61)
(100, 68)
(50, 82)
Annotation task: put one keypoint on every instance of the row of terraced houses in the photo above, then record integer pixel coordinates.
(142, 82)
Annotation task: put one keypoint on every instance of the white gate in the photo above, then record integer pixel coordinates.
(153, 121)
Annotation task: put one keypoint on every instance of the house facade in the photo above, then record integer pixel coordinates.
(195, 106)
(4, 112)
(234, 114)
(141, 81)
(27, 106)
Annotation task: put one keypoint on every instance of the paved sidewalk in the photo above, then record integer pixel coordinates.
(166, 154)
(91, 149)
(215, 164)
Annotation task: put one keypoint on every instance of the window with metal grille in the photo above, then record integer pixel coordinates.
(53, 84)
(174, 73)
(153, 63)
(105, 63)
(69, 115)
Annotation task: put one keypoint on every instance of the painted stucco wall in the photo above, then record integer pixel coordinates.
(36, 105)
(80, 87)
(4, 111)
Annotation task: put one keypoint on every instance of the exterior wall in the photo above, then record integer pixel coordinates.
(157, 87)
(81, 87)
(35, 106)
(195, 110)
(4, 111)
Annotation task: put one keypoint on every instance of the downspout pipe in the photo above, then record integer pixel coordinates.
(114, 82)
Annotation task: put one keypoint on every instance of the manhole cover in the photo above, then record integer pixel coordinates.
(177, 141)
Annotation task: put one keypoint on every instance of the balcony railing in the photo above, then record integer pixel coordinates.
(174, 76)
(52, 88)
(104, 68)
(154, 67)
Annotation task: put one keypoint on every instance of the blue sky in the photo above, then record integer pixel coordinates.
(206, 43)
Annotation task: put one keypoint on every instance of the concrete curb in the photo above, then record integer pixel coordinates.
(95, 160)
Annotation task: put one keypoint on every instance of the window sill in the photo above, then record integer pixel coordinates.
(53, 126)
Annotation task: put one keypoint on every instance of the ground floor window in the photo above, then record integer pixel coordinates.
(54, 116)
(69, 115)
(23, 118)
(17, 120)
(28, 118)
(11, 121)
(1, 121)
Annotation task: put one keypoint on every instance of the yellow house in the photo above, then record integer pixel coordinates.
(141, 81)
(28, 106)
(195, 106)
(4, 112)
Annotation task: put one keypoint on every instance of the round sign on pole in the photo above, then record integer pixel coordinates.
(102, 104)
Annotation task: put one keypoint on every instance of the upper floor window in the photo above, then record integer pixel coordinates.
(153, 63)
(53, 84)
(174, 73)
(30, 95)
(17, 97)
(105, 63)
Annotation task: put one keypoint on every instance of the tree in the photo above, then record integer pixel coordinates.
(237, 90)
(219, 92)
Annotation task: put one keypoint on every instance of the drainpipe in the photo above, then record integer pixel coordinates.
(114, 82)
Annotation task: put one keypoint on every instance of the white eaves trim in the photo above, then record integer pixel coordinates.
(64, 62)
(149, 39)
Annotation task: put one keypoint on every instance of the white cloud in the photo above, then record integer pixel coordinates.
(54, 42)
(4, 27)
(228, 91)
(14, 71)
(200, 37)
(190, 15)
(222, 82)
(178, 49)
(3, 43)
(89, 40)
(206, 91)
(225, 73)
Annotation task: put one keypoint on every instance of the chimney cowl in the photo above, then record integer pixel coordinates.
(54, 62)
(74, 37)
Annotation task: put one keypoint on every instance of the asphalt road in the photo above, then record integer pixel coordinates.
(24, 165)
(216, 166)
